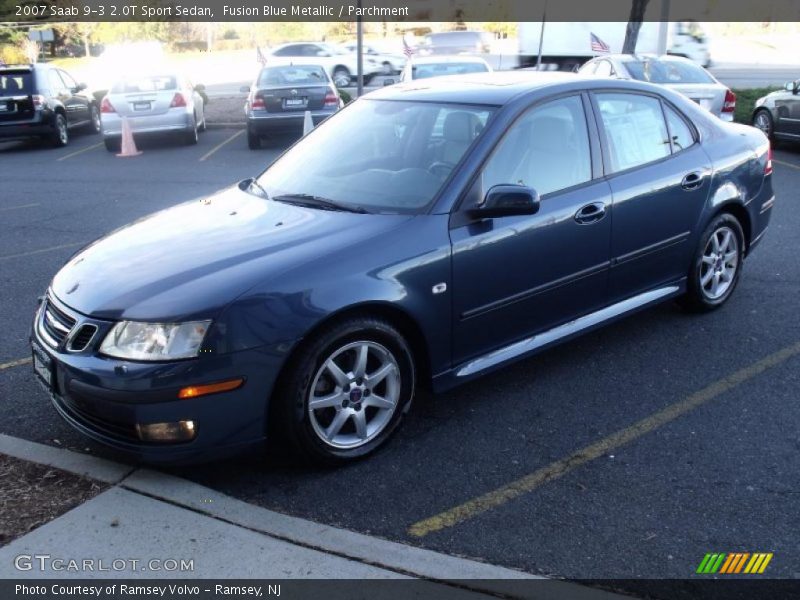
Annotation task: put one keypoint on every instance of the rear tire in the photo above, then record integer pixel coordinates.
(113, 145)
(253, 140)
(716, 266)
(190, 137)
(60, 137)
(361, 401)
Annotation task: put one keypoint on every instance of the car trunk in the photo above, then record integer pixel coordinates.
(710, 96)
(142, 104)
(293, 98)
(16, 100)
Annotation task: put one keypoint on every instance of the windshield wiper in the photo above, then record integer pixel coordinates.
(319, 202)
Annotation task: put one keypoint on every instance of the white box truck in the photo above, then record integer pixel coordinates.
(566, 46)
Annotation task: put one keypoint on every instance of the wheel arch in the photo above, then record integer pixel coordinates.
(739, 212)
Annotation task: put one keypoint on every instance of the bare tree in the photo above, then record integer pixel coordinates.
(638, 8)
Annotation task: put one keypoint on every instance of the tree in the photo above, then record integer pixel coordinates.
(638, 8)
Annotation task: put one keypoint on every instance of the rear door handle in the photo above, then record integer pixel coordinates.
(692, 181)
(591, 213)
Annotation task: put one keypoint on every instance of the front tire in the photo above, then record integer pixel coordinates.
(717, 265)
(762, 120)
(346, 391)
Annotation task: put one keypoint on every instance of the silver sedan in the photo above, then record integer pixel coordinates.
(674, 72)
(152, 104)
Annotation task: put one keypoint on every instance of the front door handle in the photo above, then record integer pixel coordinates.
(692, 181)
(591, 213)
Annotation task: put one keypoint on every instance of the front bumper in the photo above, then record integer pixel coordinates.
(105, 398)
(261, 122)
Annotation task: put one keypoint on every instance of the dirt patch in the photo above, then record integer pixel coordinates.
(228, 109)
(33, 494)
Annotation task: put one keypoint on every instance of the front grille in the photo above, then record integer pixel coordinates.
(55, 325)
(81, 339)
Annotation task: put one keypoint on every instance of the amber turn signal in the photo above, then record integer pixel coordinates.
(193, 391)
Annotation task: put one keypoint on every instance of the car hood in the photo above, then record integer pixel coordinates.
(191, 260)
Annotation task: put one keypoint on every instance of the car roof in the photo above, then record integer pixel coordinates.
(501, 87)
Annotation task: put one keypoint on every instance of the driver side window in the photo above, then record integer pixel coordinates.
(546, 149)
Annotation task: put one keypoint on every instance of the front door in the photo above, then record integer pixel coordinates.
(516, 276)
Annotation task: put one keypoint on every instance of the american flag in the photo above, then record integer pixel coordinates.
(260, 56)
(598, 45)
(407, 50)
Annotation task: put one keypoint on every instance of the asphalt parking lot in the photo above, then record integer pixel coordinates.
(631, 452)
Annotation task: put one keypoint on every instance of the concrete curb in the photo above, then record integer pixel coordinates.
(66, 460)
(372, 551)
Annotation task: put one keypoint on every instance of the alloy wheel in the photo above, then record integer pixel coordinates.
(762, 123)
(354, 394)
(719, 263)
(63, 134)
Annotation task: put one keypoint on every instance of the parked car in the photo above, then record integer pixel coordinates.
(390, 63)
(342, 67)
(153, 104)
(423, 235)
(457, 42)
(438, 66)
(778, 114)
(281, 95)
(43, 101)
(675, 72)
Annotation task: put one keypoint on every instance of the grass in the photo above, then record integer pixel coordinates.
(745, 103)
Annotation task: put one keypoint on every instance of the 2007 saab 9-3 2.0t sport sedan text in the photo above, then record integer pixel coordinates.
(461, 224)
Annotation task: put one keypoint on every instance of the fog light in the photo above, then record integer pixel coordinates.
(182, 431)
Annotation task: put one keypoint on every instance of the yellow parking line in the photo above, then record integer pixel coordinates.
(221, 144)
(32, 252)
(500, 496)
(19, 206)
(785, 164)
(81, 151)
(15, 363)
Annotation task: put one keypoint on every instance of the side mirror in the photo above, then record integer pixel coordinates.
(388, 82)
(201, 88)
(245, 89)
(507, 201)
(80, 87)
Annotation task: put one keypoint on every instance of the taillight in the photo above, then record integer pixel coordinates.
(106, 107)
(730, 102)
(257, 104)
(768, 166)
(178, 101)
(39, 102)
(331, 99)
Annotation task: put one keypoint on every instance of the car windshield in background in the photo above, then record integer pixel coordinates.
(156, 83)
(294, 75)
(14, 83)
(656, 71)
(452, 68)
(380, 155)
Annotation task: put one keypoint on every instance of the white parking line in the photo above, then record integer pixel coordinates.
(15, 363)
(19, 206)
(32, 252)
(785, 164)
(81, 151)
(221, 144)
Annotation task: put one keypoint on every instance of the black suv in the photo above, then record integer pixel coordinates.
(44, 101)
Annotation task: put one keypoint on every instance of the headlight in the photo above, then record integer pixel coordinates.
(154, 341)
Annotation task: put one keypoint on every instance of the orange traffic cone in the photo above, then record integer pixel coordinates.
(128, 145)
(308, 123)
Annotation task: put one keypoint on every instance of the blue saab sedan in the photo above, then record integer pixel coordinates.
(461, 224)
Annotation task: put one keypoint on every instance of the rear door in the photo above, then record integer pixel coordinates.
(516, 276)
(16, 90)
(59, 91)
(660, 180)
(788, 110)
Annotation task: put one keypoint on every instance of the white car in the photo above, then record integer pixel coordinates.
(390, 63)
(438, 66)
(342, 67)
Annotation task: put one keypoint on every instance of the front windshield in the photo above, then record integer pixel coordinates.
(656, 71)
(380, 155)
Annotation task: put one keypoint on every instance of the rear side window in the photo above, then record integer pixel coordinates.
(15, 83)
(57, 85)
(546, 149)
(635, 129)
(679, 132)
